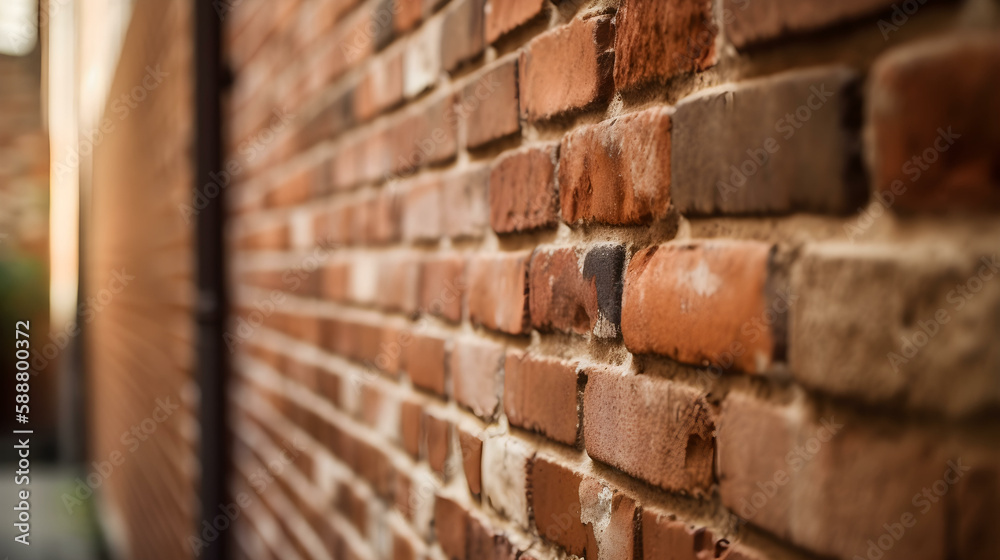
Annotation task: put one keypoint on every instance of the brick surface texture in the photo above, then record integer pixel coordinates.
(634, 279)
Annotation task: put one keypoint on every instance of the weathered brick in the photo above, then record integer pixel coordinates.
(472, 459)
(852, 337)
(487, 543)
(498, 286)
(462, 33)
(504, 16)
(932, 119)
(752, 22)
(489, 104)
(475, 374)
(740, 148)
(583, 297)
(567, 69)
(506, 467)
(599, 179)
(663, 536)
(422, 219)
(625, 418)
(783, 470)
(437, 441)
(657, 40)
(704, 302)
(555, 500)
(522, 191)
(442, 286)
(422, 58)
(424, 362)
(610, 518)
(467, 213)
(541, 395)
(381, 87)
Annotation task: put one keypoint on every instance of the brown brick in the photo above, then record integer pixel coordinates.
(451, 523)
(475, 373)
(599, 180)
(567, 69)
(555, 499)
(442, 286)
(424, 362)
(411, 423)
(663, 536)
(462, 34)
(541, 395)
(932, 118)
(489, 104)
(610, 519)
(522, 190)
(566, 296)
(487, 543)
(381, 87)
(398, 276)
(656, 40)
(739, 148)
(407, 14)
(472, 459)
(851, 336)
(437, 439)
(702, 302)
(625, 417)
(781, 469)
(466, 215)
(504, 16)
(498, 286)
(750, 22)
(422, 219)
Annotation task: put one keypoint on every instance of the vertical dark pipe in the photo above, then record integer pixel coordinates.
(211, 302)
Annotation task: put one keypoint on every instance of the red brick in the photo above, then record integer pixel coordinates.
(437, 438)
(932, 116)
(753, 22)
(523, 190)
(625, 417)
(422, 219)
(489, 104)
(599, 179)
(663, 536)
(566, 296)
(472, 459)
(384, 218)
(442, 285)
(424, 362)
(610, 519)
(541, 395)
(504, 16)
(466, 215)
(701, 302)
(475, 374)
(555, 499)
(334, 280)
(398, 276)
(404, 547)
(657, 40)
(381, 87)
(787, 471)
(353, 507)
(407, 14)
(498, 286)
(567, 69)
(462, 33)
(410, 426)
(451, 527)
(486, 543)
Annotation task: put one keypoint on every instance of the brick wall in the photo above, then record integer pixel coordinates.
(137, 311)
(618, 279)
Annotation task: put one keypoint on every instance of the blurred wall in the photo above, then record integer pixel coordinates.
(137, 272)
(620, 279)
(24, 237)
